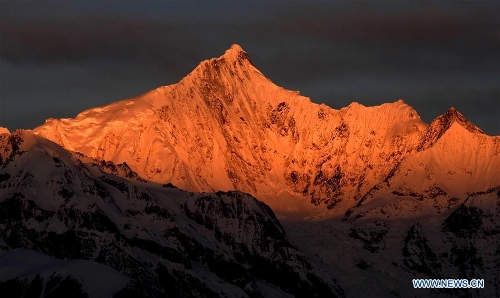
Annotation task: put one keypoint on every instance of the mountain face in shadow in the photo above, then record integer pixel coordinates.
(65, 218)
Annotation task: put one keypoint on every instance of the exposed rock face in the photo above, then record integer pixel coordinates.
(460, 163)
(158, 239)
(226, 126)
(442, 123)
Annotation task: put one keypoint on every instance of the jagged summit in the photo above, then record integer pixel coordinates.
(233, 56)
(4, 130)
(233, 67)
(234, 51)
(453, 115)
(441, 124)
(236, 47)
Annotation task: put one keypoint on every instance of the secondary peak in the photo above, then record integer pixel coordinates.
(4, 130)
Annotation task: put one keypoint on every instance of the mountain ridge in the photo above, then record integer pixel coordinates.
(226, 126)
(442, 123)
(155, 240)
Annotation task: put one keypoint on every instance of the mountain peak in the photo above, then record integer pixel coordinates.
(235, 47)
(4, 130)
(236, 53)
(442, 123)
(453, 115)
(234, 57)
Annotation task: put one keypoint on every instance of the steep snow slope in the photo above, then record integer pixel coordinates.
(166, 241)
(458, 161)
(226, 126)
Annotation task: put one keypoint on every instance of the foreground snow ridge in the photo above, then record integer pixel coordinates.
(67, 219)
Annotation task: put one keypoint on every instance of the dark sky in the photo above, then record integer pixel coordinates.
(59, 58)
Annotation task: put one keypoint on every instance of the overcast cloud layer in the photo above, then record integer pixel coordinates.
(59, 58)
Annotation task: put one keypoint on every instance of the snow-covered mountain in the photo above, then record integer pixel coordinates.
(71, 226)
(74, 226)
(373, 195)
(226, 126)
(453, 161)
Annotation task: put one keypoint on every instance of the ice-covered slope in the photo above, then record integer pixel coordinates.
(165, 241)
(454, 161)
(226, 126)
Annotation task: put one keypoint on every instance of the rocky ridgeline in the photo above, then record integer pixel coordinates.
(164, 240)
